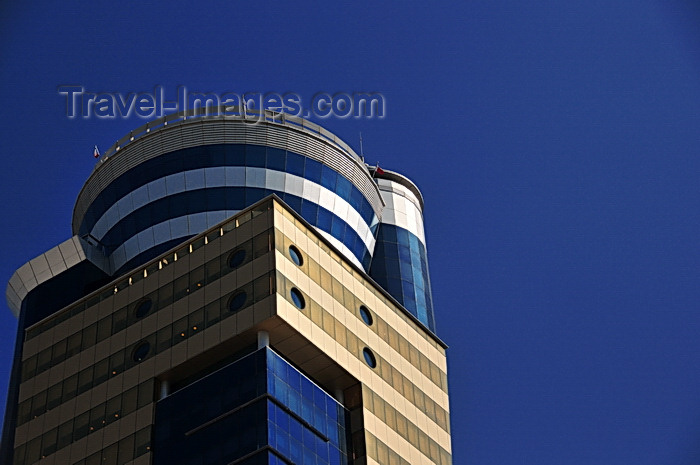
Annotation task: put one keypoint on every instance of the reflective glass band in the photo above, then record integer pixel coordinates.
(400, 266)
(225, 155)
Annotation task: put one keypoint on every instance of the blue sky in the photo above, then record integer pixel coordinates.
(556, 145)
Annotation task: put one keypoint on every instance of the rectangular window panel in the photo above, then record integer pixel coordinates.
(261, 244)
(126, 450)
(97, 417)
(38, 404)
(85, 380)
(59, 351)
(81, 426)
(70, 388)
(165, 295)
(24, 411)
(65, 434)
(33, 450)
(74, 342)
(145, 394)
(196, 321)
(94, 459)
(48, 442)
(119, 320)
(142, 442)
(180, 330)
(53, 397)
(213, 270)
(104, 328)
(129, 401)
(181, 287)
(29, 368)
(113, 409)
(43, 360)
(101, 373)
(212, 313)
(163, 339)
(196, 279)
(89, 336)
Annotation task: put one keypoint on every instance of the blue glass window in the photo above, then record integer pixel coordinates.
(356, 199)
(387, 233)
(369, 357)
(298, 298)
(328, 178)
(276, 159)
(366, 315)
(293, 201)
(404, 253)
(295, 255)
(295, 164)
(235, 155)
(253, 195)
(235, 199)
(255, 156)
(217, 155)
(406, 270)
(325, 219)
(343, 187)
(309, 211)
(399, 265)
(337, 228)
(312, 171)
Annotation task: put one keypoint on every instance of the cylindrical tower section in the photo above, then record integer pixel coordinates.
(182, 174)
(400, 263)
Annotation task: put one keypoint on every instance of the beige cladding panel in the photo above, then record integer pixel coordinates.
(351, 360)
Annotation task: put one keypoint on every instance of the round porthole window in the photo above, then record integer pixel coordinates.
(296, 255)
(369, 357)
(236, 258)
(366, 315)
(237, 301)
(143, 308)
(297, 298)
(141, 351)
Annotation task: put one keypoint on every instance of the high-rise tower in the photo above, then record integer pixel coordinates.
(240, 289)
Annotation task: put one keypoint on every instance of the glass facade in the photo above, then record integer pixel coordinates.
(400, 266)
(260, 409)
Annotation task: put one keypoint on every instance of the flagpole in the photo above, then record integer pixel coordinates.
(362, 152)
